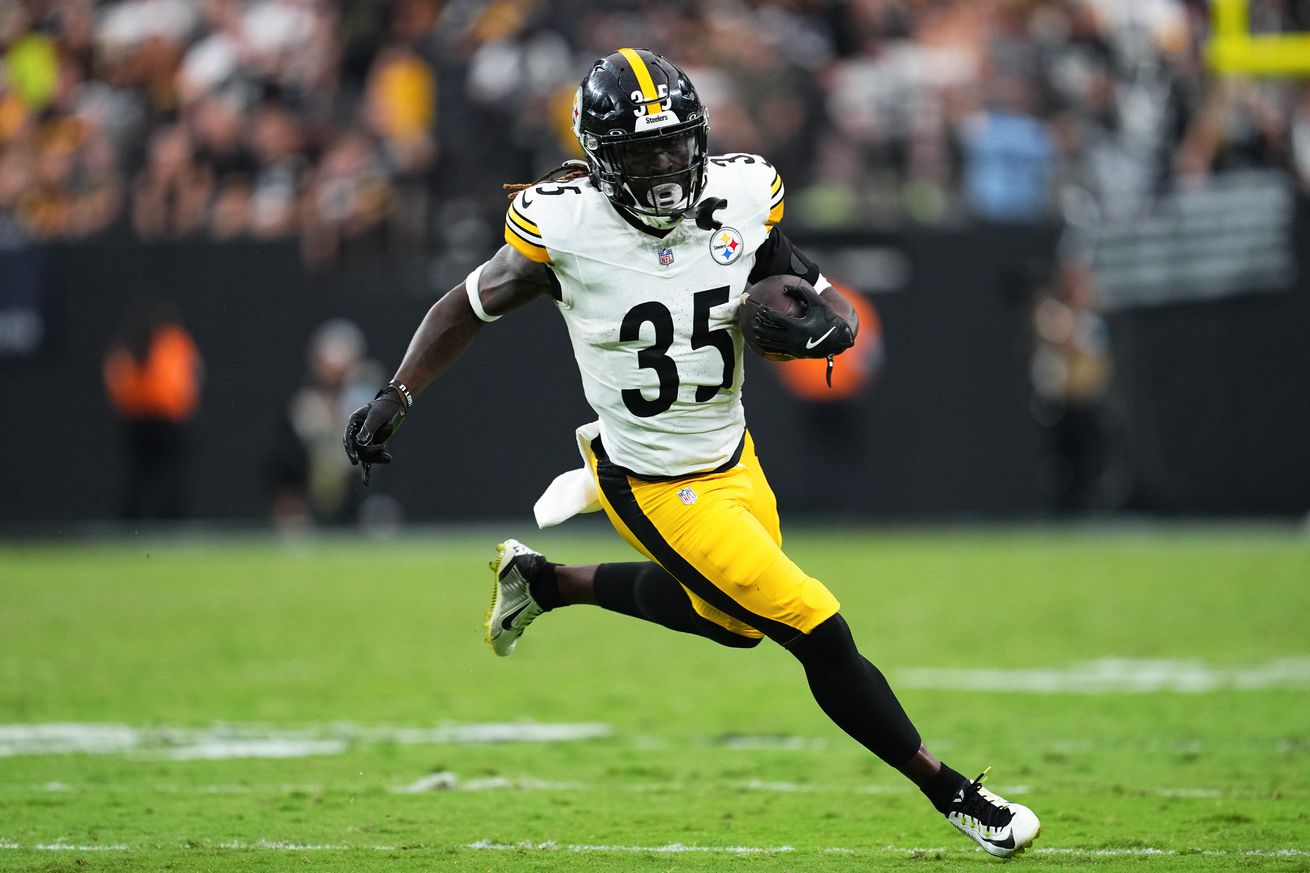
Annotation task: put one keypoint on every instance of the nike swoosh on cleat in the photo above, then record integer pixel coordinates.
(508, 624)
(527, 202)
(811, 343)
(1007, 843)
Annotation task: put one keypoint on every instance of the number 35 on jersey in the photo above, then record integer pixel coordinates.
(652, 318)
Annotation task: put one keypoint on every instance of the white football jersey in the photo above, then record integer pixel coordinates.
(653, 320)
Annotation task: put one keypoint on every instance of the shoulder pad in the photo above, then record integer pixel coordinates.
(755, 181)
(522, 232)
(539, 216)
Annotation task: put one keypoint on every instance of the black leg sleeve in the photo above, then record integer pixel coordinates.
(645, 590)
(854, 693)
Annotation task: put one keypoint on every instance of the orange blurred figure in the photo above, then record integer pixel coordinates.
(807, 378)
(153, 375)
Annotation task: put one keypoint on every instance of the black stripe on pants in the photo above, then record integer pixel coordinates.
(645, 590)
(618, 491)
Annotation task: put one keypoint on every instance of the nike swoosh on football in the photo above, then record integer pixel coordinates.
(1007, 843)
(811, 343)
(508, 623)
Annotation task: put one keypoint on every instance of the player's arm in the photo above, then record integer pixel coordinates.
(779, 256)
(506, 282)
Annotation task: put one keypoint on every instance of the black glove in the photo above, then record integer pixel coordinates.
(370, 426)
(817, 332)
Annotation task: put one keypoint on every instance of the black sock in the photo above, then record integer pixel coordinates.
(854, 693)
(943, 788)
(544, 588)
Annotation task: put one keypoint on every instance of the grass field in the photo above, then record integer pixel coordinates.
(250, 705)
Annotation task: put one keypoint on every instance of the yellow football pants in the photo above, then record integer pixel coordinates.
(718, 534)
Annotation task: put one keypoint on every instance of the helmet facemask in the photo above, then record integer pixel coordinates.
(659, 174)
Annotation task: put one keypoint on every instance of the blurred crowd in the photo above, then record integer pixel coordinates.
(396, 121)
(215, 118)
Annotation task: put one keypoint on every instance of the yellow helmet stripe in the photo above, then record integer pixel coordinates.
(643, 79)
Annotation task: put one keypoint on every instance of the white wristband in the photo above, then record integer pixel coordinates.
(821, 283)
(471, 286)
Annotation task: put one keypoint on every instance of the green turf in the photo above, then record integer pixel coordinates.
(709, 748)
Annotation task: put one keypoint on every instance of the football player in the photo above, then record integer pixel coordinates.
(645, 249)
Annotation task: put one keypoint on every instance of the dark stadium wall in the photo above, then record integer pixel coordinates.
(945, 427)
(1213, 399)
(1210, 406)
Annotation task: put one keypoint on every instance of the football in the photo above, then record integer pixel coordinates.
(768, 292)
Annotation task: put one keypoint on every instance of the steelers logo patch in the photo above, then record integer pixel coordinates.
(726, 245)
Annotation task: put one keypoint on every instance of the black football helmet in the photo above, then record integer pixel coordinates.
(644, 131)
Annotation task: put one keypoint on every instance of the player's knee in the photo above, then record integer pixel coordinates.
(829, 643)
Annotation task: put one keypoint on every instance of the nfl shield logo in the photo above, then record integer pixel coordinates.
(666, 257)
(687, 496)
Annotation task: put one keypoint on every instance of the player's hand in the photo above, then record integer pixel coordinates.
(370, 426)
(816, 333)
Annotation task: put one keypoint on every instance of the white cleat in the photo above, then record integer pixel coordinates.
(1002, 828)
(512, 607)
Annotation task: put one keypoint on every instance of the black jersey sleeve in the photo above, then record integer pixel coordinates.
(778, 257)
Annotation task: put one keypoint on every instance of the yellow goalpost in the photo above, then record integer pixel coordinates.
(1233, 49)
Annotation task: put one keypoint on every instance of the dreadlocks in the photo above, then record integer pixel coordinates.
(565, 172)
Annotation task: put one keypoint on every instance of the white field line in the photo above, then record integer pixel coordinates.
(1100, 676)
(680, 848)
(1115, 676)
(226, 741)
(161, 788)
(1217, 853)
(284, 846)
(66, 847)
(446, 780)
(775, 787)
(227, 845)
(224, 750)
(666, 848)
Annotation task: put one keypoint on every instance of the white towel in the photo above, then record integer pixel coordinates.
(573, 492)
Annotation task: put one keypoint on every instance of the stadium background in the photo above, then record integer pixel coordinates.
(1087, 248)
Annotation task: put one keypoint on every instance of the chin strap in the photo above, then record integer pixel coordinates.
(659, 222)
